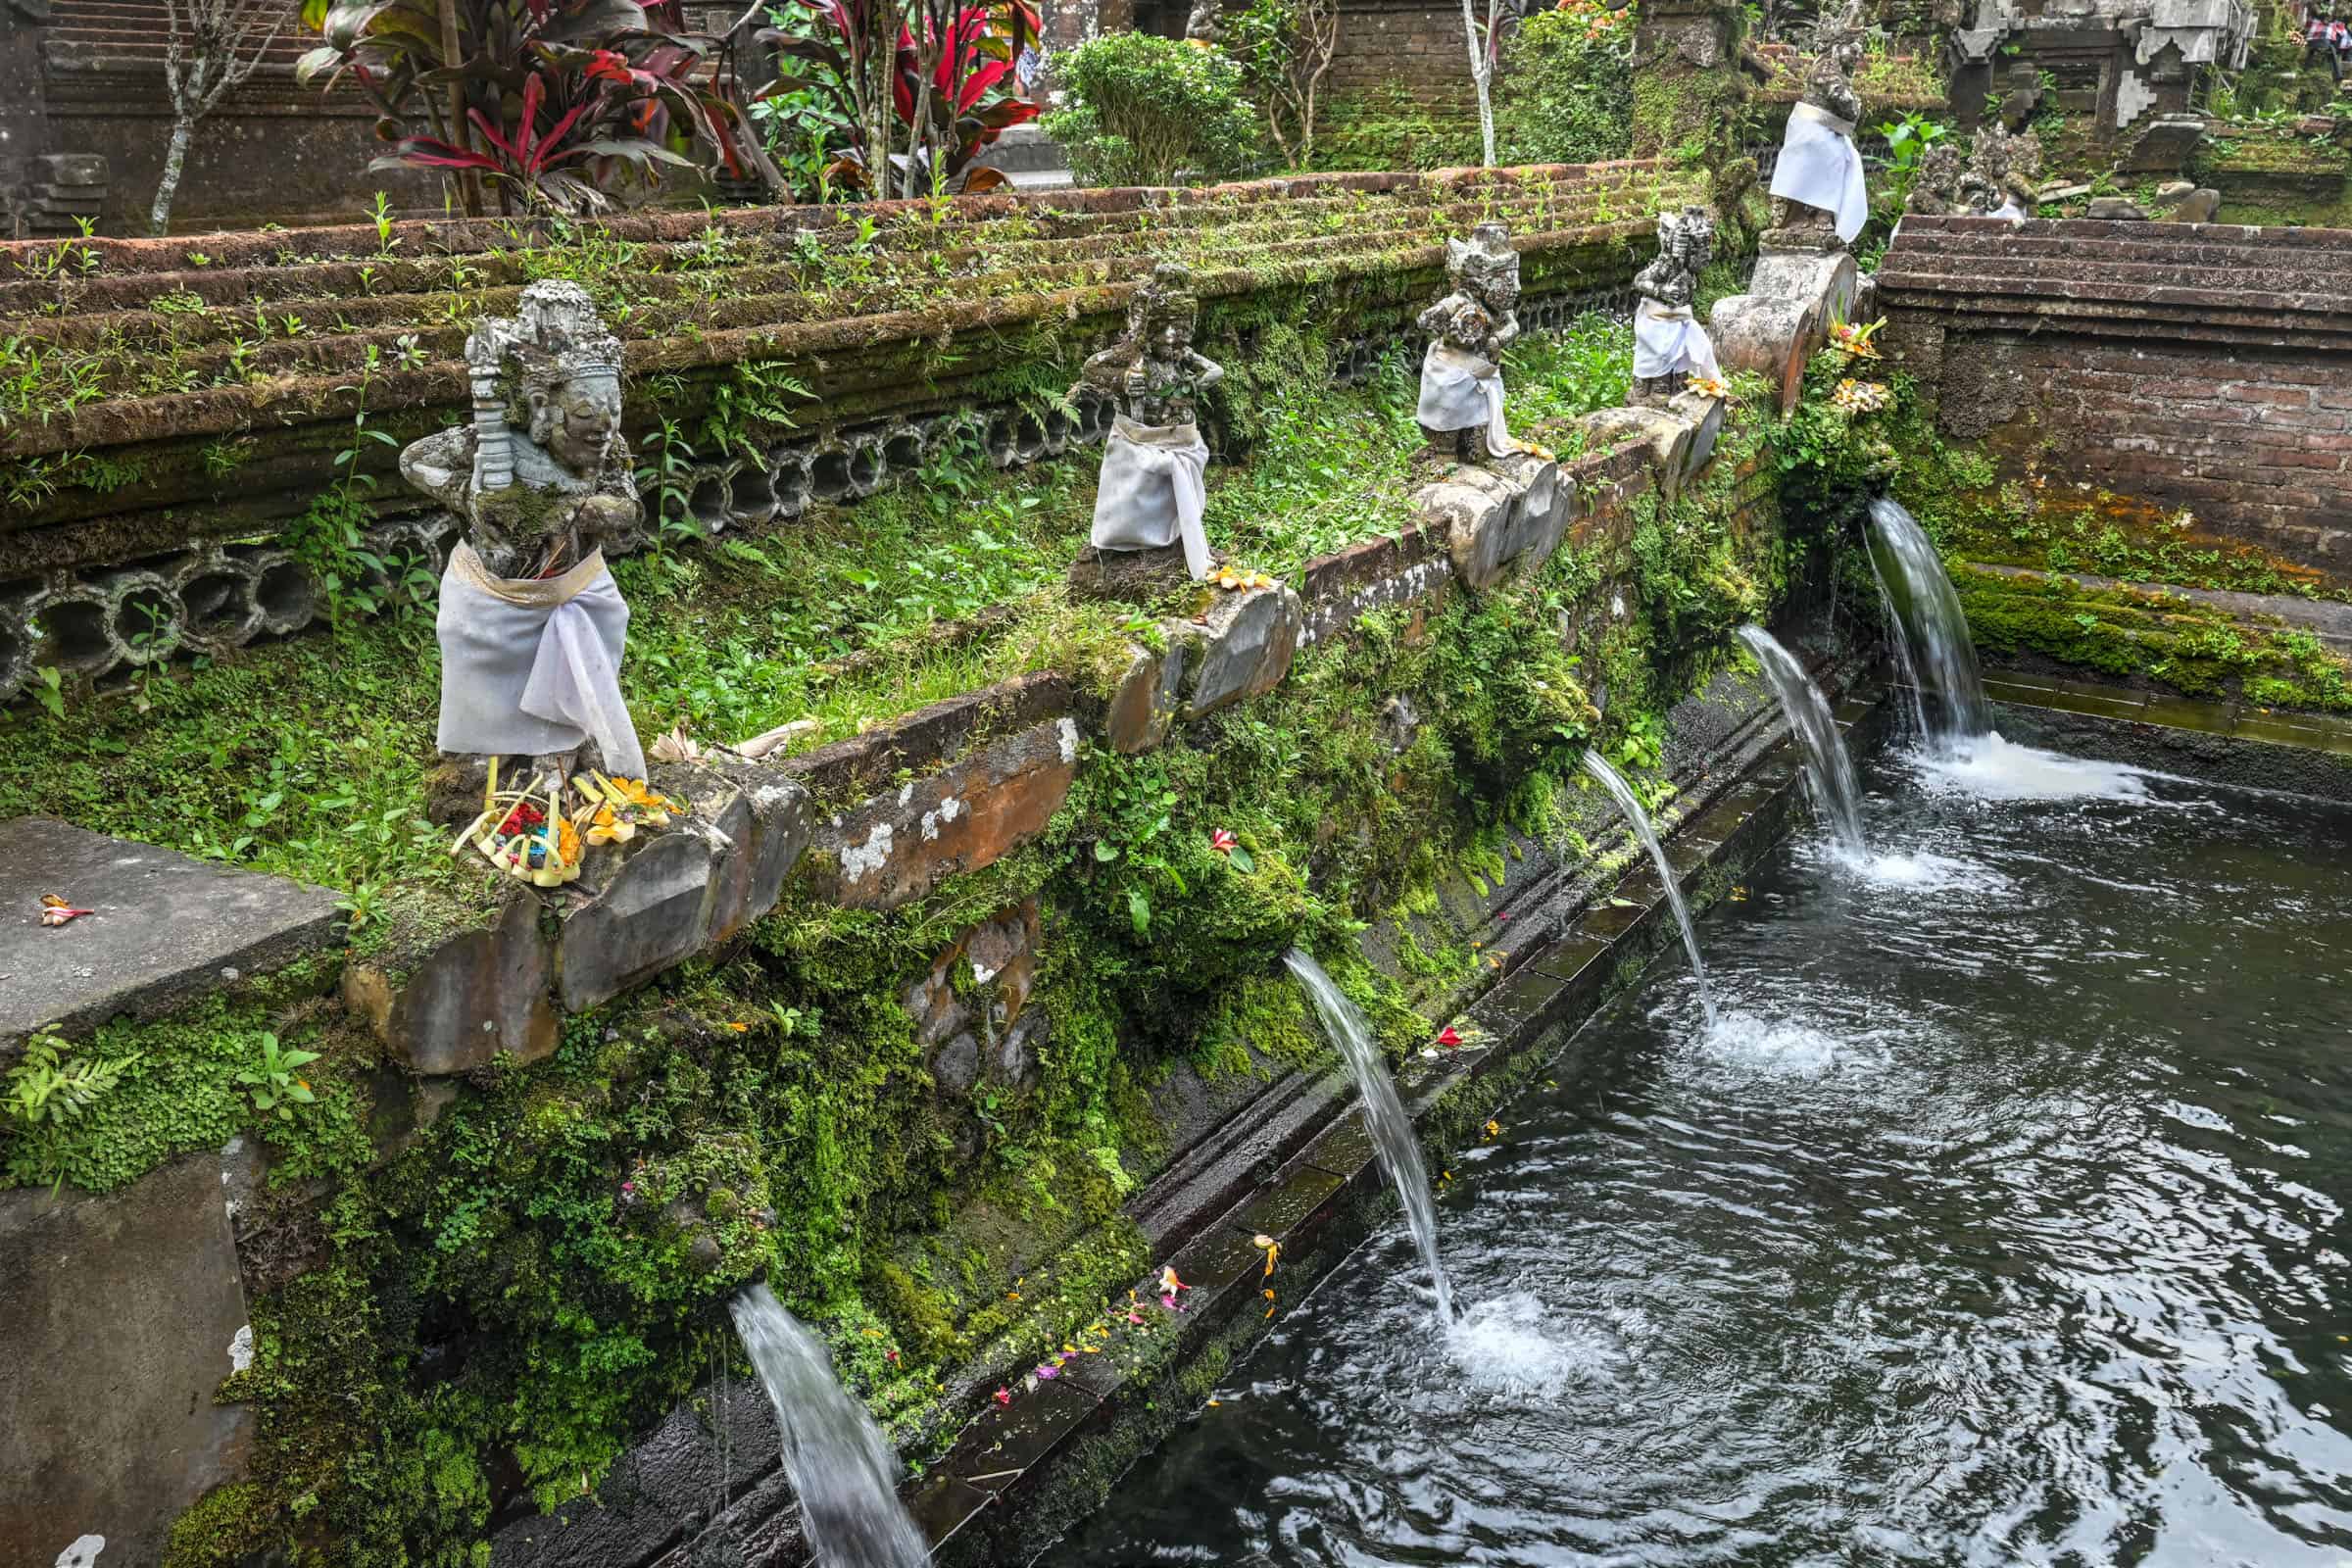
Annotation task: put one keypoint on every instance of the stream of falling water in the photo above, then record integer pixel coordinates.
(841, 1466)
(1384, 1114)
(1631, 805)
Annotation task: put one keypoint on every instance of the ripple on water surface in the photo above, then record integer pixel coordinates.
(2001, 1222)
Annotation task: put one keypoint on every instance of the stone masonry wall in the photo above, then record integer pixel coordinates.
(2204, 368)
(1409, 44)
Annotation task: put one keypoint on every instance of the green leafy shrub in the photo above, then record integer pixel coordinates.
(1151, 111)
(1566, 93)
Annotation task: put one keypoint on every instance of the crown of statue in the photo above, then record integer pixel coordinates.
(1692, 227)
(554, 336)
(1839, 24)
(1485, 254)
(1165, 295)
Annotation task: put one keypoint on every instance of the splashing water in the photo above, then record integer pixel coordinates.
(1829, 771)
(837, 1459)
(1626, 802)
(1930, 631)
(1384, 1113)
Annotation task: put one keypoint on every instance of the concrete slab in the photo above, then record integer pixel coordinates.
(165, 929)
(124, 1313)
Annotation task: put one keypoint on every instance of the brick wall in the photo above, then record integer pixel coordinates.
(1412, 44)
(2205, 367)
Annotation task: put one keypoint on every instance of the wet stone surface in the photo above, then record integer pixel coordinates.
(163, 931)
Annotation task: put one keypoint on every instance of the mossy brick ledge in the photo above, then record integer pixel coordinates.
(988, 769)
(2202, 368)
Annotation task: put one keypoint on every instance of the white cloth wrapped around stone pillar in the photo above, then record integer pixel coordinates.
(1461, 391)
(1153, 490)
(1669, 339)
(1821, 167)
(531, 667)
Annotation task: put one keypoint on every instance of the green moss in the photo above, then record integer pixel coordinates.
(219, 1528)
(179, 1089)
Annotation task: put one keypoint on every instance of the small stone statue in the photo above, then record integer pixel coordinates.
(1462, 374)
(1151, 490)
(1935, 186)
(530, 625)
(2001, 168)
(1670, 345)
(1817, 186)
(1204, 22)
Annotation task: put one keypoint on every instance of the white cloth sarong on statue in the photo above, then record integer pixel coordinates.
(532, 666)
(1151, 491)
(1820, 167)
(2008, 209)
(1460, 391)
(1667, 340)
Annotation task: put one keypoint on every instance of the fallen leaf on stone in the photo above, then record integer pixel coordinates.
(676, 747)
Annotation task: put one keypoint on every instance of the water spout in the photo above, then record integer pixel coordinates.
(1384, 1114)
(1626, 802)
(1829, 771)
(839, 1465)
(1930, 631)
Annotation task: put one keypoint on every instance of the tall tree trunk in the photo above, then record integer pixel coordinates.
(461, 132)
(1478, 78)
(184, 129)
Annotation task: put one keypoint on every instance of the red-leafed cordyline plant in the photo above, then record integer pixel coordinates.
(949, 80)
(552, 104)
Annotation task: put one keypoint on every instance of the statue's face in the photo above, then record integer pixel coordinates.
(1172, 338)
(1848, 55)
(579, 422)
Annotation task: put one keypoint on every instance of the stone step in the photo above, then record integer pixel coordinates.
(163, 930)
(2307, 275)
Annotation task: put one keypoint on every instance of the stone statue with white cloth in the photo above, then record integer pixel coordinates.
(1152, 487)
(1462, 374)
(530, 625)
(1817, 186)
(1670, 344)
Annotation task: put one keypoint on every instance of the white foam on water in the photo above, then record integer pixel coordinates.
(1513, 1344)
(1781, 1048)
(1991, 768)
(1918, 870)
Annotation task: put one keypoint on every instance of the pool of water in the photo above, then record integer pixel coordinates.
(2001, 1222)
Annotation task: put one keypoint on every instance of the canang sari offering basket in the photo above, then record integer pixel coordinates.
(528, 834)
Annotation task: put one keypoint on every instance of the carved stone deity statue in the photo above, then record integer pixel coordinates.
(1462, 374)
(1935, 185)
(1151, 490)
(1817, 186)
(530, 625)
(2001, 171)
(1670, 345)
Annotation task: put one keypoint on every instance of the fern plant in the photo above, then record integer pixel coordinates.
(47, 1089)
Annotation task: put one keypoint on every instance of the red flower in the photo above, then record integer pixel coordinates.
(1004, 1396)
(1222, 842)
(1448, 1038)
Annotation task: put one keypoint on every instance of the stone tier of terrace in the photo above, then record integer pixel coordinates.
(182, 401)
(158, 348)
